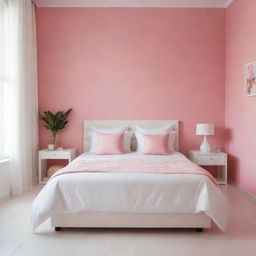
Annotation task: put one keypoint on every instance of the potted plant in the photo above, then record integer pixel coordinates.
(54, 122)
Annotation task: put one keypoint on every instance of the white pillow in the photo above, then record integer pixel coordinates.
(127, 137)
(110, 130)
(152, 131)
(140, 140)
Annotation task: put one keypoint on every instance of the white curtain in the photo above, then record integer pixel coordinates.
(2, 77)
(20, 93)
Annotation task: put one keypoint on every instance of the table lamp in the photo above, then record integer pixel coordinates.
(205, 129)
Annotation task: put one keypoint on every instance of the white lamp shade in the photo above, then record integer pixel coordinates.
(204, 129)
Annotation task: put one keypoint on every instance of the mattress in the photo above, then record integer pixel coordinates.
(135, 192)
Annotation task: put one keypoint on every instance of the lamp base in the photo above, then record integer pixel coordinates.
(205, 146)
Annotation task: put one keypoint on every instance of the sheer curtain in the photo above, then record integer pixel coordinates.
(20, 93)
(2, 77)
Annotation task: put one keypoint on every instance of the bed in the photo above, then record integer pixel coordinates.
(130, 199)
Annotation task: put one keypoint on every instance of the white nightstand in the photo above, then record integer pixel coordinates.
(212, 159)
(45, 154)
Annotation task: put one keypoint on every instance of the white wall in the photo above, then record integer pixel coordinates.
(4, 180)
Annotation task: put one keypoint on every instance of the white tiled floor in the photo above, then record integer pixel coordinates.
(16, 238)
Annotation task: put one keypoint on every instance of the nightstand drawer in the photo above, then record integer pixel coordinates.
(210, 160)
(54, 154)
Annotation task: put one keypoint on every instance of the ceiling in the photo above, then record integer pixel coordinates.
(134, 3)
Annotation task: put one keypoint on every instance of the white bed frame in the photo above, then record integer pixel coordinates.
(129, 220)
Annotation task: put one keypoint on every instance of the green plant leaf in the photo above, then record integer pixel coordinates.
(55, 122)
(67, 113)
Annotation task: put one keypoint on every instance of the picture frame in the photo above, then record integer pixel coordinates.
(250, 79)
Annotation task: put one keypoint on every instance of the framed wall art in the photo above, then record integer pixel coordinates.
(250, 79)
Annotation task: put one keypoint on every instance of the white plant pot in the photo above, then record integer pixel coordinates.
(50, 147)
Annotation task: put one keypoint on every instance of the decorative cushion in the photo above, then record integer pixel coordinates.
(110, 143)
(93, 137)
(140, 140)
(156, 144)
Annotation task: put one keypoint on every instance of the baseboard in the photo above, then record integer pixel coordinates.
(248, 194)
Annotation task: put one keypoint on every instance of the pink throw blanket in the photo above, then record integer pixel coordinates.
(135, 166)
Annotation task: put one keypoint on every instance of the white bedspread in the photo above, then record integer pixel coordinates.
(130, 192)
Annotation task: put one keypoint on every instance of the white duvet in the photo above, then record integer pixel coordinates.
(130, 192)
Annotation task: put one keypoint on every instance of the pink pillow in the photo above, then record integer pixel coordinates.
(156, 144)
(110, 143)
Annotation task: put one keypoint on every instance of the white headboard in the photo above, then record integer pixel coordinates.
(131, 124)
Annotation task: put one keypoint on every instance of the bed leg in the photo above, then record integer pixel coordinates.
(57, 228)
(199, 230)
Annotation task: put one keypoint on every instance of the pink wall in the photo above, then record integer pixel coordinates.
(240, 110)
(132, 63)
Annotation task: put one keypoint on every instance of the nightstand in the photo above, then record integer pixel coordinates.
(45, 154)
(212, 159)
